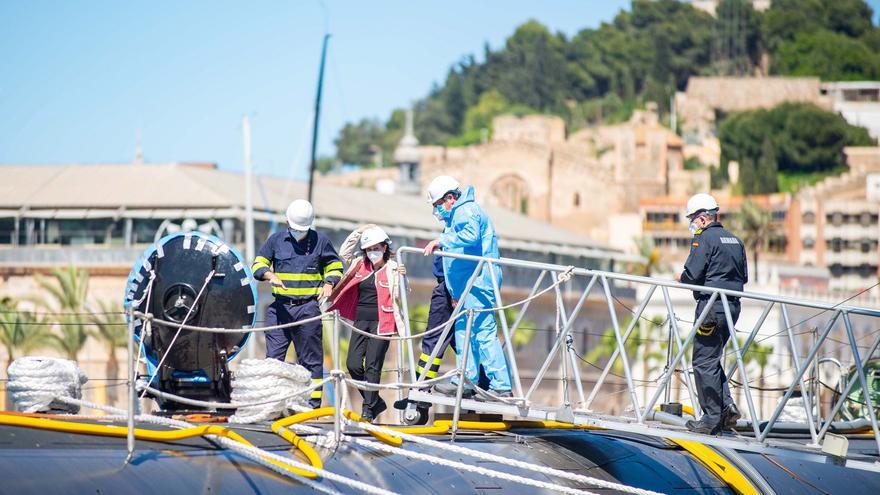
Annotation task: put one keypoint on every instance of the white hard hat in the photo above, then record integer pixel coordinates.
(373, 236)
(701, 202)
(300, 215)
(440, 186)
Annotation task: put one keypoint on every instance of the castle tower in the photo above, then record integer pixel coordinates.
(407, 158)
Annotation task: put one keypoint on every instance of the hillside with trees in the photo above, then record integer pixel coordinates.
(644, 54)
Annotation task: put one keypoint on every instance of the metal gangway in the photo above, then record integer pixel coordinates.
(554, 281)
(569, 288)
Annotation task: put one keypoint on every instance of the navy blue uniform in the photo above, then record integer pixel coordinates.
(304, 267)
(717, 259)
(440, 311)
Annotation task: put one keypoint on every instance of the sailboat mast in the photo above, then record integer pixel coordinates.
(313, 163)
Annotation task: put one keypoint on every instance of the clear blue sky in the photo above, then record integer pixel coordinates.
(80, 80)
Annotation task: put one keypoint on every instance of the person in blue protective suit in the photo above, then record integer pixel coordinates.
(469, 230)
(439, 312)
(302, 266)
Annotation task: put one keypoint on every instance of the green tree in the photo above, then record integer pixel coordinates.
(525, 332)
(755, 225)
(534, 67)
(804, 139)
(748, 178)
(849, 17)
(607, 344)
(758, 355)
(109, 327)
(478, 119)
(20, 331)
(786, 18)
(357, 143)
(737, 38)
(648, 250)
(765, 171)
(68, 290)
(828, 55)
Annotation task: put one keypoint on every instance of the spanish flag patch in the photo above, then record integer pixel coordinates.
(695, 244)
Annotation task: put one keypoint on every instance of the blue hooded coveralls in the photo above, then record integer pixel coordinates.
(470, 231)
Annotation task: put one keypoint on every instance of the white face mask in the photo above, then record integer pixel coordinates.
(375, 256)
(299, 235)
(692, 228)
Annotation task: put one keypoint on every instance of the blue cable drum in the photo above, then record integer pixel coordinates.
(180, 264)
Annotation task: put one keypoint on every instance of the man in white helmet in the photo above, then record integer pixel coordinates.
(469, 230)
(717, 259)
(302, 266)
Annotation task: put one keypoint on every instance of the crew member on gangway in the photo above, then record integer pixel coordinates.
(717, 259)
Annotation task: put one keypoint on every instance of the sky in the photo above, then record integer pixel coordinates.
(84, 82)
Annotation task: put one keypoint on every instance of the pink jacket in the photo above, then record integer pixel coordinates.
(346, 299)
(345, 294)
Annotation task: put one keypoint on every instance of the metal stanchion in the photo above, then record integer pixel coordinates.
(132, 393)
(337, 381)
(456, 413)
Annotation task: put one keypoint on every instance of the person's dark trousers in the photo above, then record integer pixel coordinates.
(365, 359)
(712, 335)
(439, 312)
(307, 338)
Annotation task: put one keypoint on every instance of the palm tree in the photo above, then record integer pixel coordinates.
(756, 227)
(69, 289)
(109, 327)
(20, 330)
(608, 344)
(760, 355)
(524, 332)
(648, 250)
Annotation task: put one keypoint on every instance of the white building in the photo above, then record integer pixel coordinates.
(856, 101)
(840, 222)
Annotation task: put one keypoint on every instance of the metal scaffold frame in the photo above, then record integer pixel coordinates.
(641, 418)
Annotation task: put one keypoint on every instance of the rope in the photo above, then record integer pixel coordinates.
(278, 385)
(233, 405)
(599, 483)
(562, 277)
(35, 383)
(474, 469)
(255, 454)
(421, 335)
(193, 328)
(326, 440)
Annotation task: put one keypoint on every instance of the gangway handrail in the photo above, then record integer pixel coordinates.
(715, 295)
(539, 265)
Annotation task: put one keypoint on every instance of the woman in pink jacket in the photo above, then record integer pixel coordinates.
(367, 295)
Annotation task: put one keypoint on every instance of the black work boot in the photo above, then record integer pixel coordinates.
(704, 427)
(367, 414)
(730, 416)
(449, 389)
